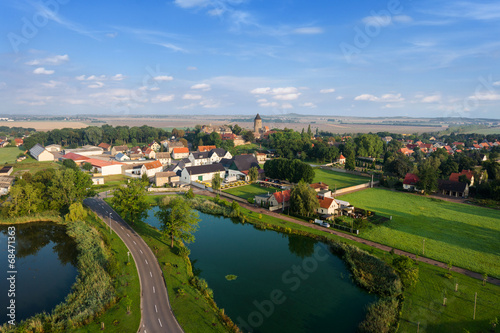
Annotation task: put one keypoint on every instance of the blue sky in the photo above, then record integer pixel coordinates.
(360, 58)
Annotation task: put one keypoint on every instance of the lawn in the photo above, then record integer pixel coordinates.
(9, 154)
(465, 235)
(33, 166)
(250, 191)
(338, 179)
(111, 182)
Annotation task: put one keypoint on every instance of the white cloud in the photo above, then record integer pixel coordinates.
(80, 78)
(286, 90)
(191, 97)
(208, 104)
(3, 85)
(287, 97)
(112, 35)
(55, 60)
(189, 106)
(51, 84)
(339, 98)
(497, 83)
(269, 104)
(41, 70)
(154, 88)
(327, 91)
(163, 98)
(486, 97)
(261, 91)
(202, 87)
(262, 100)
(118, 77)
(380, 20)
(192, 68)
(96, 85)
(163, 78)
(74, 101)
(287, 106)
(309, 105)
(308, 31)
(170, 46)
(91, 77)
(431, 99)
(402, 19)
(384, 98)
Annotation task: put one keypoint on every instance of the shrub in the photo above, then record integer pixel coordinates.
(381, 316)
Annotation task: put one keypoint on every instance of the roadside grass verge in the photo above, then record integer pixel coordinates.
(250, 191)
(126, 284)
(463, 235)
(338, 179)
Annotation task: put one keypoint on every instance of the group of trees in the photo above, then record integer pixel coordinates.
(292, 170)
(303, 199)
(94, 135)
(50, 189)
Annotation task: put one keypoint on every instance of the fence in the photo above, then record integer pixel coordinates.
(355, 188)
(168, 189)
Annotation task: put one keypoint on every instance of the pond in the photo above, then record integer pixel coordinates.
(46, 260)
(284, 283)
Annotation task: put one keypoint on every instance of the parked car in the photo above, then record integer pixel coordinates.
(325, 224)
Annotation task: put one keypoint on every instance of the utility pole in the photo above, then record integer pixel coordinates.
(475, 301)
(423, 247)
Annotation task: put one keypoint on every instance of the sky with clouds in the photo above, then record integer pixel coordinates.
(428, 58)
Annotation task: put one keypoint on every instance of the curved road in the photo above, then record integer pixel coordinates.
(156, 313)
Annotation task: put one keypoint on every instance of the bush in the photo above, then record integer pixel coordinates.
(381, 316)
(251, 200)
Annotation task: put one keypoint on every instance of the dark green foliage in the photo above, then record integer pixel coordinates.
(70, 164)
(291, 170)
(190, 194)
(381, 316)
(130, 201)
(406, 269)
(303, 199)
(178, 220)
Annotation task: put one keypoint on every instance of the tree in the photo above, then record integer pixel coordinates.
(130, 201)
(184, 142)
(428, 177)
(76, 212)
(216, 182)
(190, 194)
(87, 166)
(70, 164)
(303, 199)
(249, 136)
(237, 129)
(24, 199)
(253, 173)
(178, 221)
(350, 160)
(407, 270)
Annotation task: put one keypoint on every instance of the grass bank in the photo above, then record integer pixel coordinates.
(338, 179)
(467, 236)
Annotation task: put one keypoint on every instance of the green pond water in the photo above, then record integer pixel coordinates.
(46, 268)
(285, 283)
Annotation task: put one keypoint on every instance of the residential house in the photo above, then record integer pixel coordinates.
(202, 149)
(149, 153)
(6, 183)
(217, 154)
(319, 186)
(167, 177)
(18, 141)
(40, 153)
(455, 176)
(155, 146)
(453, 189)
(341, 159)
(239, 141)
(86, 150)
(221, 129)
(405, 151)
(105, 146)
(240, 165)
(136, 156)
(387, 139)
(4, 144)
(279, 200)
(97, 180)
(6, 170)
(119, 149)
(410, 182)
(201, 172)
(228, 136)
(174, 144)
(198, 158)
(327, 207)
(164, 158)
(261, 157)
(180, 153)
(121, 157)
(53, 148)
(153, 167)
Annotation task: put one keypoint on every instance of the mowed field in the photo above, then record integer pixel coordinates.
(250, 191)
(338, 179)
(463, 235)
(9, 154)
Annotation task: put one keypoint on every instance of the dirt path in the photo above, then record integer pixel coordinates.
(360, 240)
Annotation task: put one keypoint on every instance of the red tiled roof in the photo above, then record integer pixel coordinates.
(100, 163)
(319, 185)
(455, 175)
(341, 157)
(75, 157)
(180, 150)
(201, 149)
(153, 165)
(19, 141)
(279, 196)
(411, 179)
(104, 145)
(325, 202)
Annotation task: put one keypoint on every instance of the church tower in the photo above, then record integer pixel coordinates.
(257, 124)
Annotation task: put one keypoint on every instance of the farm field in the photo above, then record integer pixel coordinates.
(47, 125)
(339, 179)
(249, 191)
(9, 154)
(33, 166)
(463, 235)
(486, 131)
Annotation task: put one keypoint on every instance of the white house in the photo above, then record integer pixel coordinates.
(201, 172)
(153, 167)
(98, 180)
(122, 157)
(53, 148)
(154, 146)
(198, 158)
(164, 158)
(40, 153)
(86, 151)
(180, 153)
(105, 168)
(327, 206)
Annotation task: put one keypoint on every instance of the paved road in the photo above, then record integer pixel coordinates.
(156, 312)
